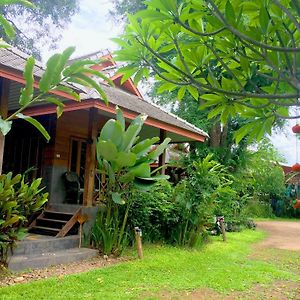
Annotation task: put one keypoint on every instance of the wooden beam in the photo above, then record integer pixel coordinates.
(162, 157)
(73, 106)
(4, 92)
(90, 163)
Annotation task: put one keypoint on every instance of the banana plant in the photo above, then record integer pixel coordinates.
(124, 158)
(125, 161)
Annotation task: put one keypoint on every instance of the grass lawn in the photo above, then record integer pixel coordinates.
(223, 267)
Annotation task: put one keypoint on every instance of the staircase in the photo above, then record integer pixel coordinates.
(55, 223)
(38, 251)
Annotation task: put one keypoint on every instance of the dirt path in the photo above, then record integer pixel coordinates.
(281, 235)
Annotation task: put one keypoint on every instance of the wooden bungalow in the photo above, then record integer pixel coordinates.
(73, 135)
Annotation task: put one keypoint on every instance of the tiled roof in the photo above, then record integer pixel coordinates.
(14, 59)
(131, 102)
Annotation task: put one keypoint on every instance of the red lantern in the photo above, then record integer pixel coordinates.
(296, 128)
(296, 203)
(296, 167)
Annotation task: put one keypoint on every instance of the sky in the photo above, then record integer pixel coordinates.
(91, 30)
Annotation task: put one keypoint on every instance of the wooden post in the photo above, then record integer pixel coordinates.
(138, 239)
(162, 157)
(223, 229)
(4, 89)
(90, 164)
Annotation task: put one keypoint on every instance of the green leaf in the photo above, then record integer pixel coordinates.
(36, 124)
(125, 159)
(144, 147)
(213, 98)
(132, 132)
(159, 149)
(8, 29)
(112, 131)
(27, 92)
(5, 126)
(63, 59)
(142, 170)
(98, 74)
(22, 2)
(138, 76)
(68, 91)
(230, 14)
(181, 93)
(193, 91)
(264, 19)
(215, 112)
(107, 150)
(92, 83)
(77, 66)
(120, 117)
(47, 78)
(116, 197)
(58, 103)
(242, 132)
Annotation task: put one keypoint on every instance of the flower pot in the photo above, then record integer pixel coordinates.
(296, 128)
(296, 203)
(296, 167)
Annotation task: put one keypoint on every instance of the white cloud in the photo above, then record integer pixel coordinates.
(286, 142)
(90, 29)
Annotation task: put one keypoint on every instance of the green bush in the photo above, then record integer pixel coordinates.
(154, 212)
(18, 201)
(258, 209)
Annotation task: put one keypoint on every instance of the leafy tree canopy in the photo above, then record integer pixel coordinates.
(38, 26)
(124, 7)
(235, 57)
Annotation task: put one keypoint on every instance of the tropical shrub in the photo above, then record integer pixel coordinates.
(18, 201)
(196, 199)
(154, 212)
(125, 164)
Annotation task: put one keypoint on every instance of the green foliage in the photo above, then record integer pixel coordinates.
(154, 211)
(222, 267)
(18, 201)
(58, 74)
(235, 56)
(198, 198)
(124, 163)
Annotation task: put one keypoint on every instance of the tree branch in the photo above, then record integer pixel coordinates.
(239, 34)
(288, 13)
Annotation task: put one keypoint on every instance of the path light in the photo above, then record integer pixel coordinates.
(81, 219)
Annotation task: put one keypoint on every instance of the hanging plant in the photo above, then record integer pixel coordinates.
(296, 167)
(296, 128)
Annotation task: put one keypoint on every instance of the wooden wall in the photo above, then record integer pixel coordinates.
(71, 125)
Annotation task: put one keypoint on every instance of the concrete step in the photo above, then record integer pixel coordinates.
(22, 262)
(38, 244)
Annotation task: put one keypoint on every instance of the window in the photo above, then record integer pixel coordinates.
(77, 158)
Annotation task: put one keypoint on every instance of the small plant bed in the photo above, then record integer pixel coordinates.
(219, 269)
